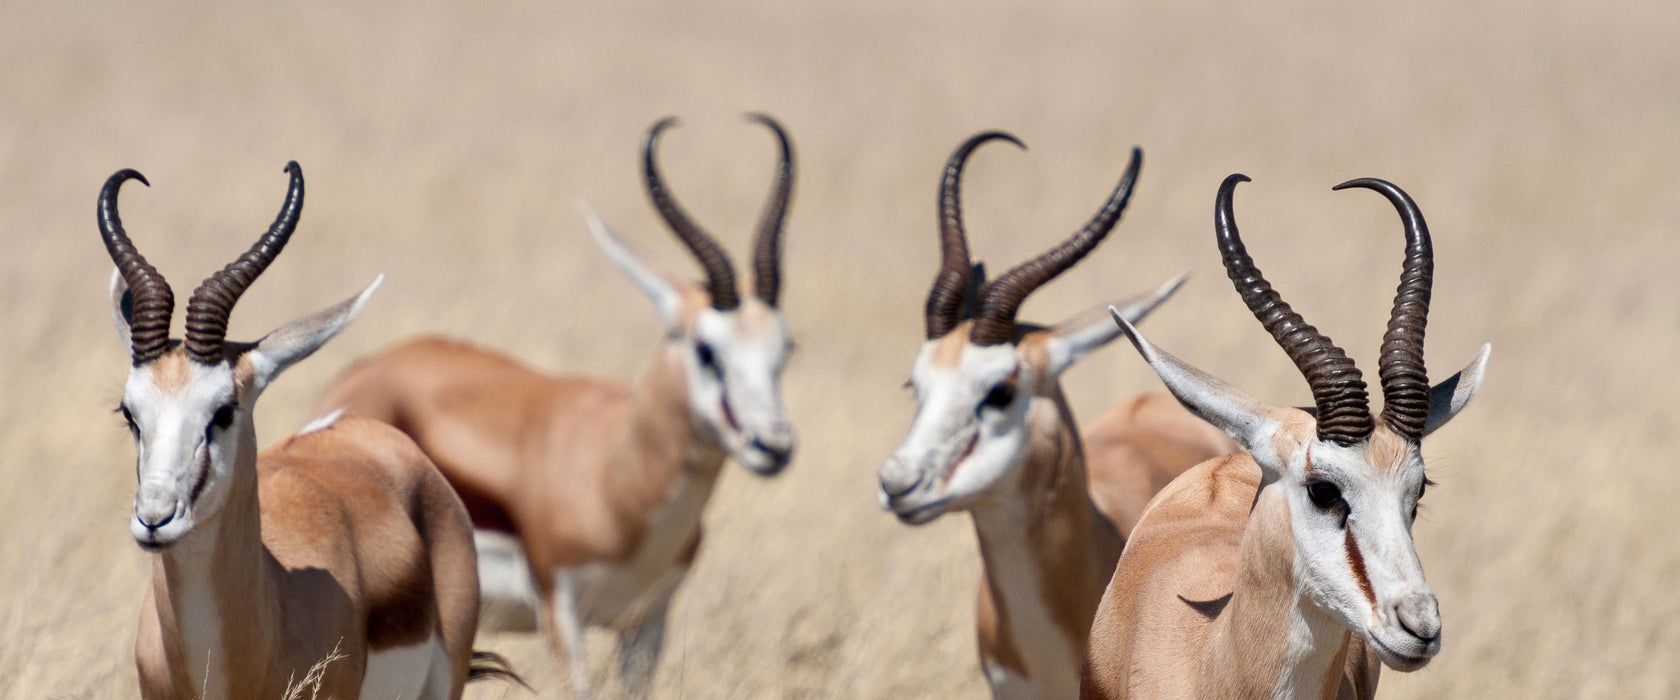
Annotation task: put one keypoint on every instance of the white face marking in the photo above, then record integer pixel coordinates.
(968, 434)
(187, 443)
(734, 362)
(1359, 526)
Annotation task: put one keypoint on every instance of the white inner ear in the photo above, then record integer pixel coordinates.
(287, 345)
(1244, 418)
(119, 287)
(1449, 397)
(651, 281)
(1091, 329)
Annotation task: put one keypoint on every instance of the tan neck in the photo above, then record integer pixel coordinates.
(214, 590)
(1246, 652)
(659, 454)
(1048, 553)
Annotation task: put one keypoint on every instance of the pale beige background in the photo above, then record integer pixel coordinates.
(445, 145)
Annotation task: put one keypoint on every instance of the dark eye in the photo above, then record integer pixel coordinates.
(223, 418)
(129, 419)
(999, 397)
(1324, 494)
(708, 359)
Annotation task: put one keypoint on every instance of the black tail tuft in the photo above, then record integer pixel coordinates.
(488, 664)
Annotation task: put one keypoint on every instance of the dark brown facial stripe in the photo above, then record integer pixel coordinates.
(1357, 562)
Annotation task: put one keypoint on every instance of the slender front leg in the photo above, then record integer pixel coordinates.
(567, 632)
(639, 647)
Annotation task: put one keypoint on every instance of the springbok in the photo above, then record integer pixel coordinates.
(604, 484)
(994, 435)
(1246, 574)
(341, 545)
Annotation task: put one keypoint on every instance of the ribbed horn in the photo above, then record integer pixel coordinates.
(1344, 411)
(720, 276)
(767, 251)
(212, 302)
(951, 285)
(1405, 383)
(152, 302)
(995, 320)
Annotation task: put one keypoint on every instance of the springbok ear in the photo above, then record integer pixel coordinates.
(1450, 396)
(286, 345)
(1091, 329)
(122, 307)
(651, 281)
(1246, 419)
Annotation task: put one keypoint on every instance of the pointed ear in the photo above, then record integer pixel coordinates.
(1091, 329)
(288, 344)
(651, 281)
(1450, 396)
(122, 307)
(1246, 419)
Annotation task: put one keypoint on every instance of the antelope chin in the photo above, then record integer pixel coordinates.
(1403, 656)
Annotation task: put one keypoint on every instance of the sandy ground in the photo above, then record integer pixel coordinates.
(445, 145)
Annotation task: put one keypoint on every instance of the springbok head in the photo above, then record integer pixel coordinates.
(189, 403)
(731, 337)
(1352, 483)
(978, 374)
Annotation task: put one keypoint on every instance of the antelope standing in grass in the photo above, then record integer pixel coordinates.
(342, 541)
(1278, 572)
(994, 436)
(603, 483)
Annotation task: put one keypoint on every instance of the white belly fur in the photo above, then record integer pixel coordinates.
(507, 597)
(420, 671)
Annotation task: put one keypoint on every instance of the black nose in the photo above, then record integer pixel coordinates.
(779, 454)
(155, 519)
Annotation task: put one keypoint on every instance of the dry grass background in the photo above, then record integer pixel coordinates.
(445, 145)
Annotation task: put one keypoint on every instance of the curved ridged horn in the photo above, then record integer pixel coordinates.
(767, 252)
(1405, 383)
(720, 276)
(995, 320)
(151, 300)
(945, 299)
(212, 302)
(1344, 411)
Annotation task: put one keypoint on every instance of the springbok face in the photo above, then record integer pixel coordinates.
(1352, 484)
(976, 381)
(733, 342)
(189, 404)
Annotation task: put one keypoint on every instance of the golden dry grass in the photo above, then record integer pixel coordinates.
(445, 145)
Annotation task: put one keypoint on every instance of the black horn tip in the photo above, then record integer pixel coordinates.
(1224, 218)
(766, 120)
(125, 174)
(658, 128)
(293, 167)
(774, 126)
(994, 135)
(1369, 183)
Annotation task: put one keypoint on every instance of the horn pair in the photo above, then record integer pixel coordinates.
(1343, 408)
(997, 302)
(767, 253)
(151, 300)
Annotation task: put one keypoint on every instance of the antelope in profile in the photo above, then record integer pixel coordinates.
(603, 484)
(1277, 573)
(994, 436)
(342, 541)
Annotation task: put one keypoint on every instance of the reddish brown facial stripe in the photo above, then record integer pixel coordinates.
(1357, 562)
